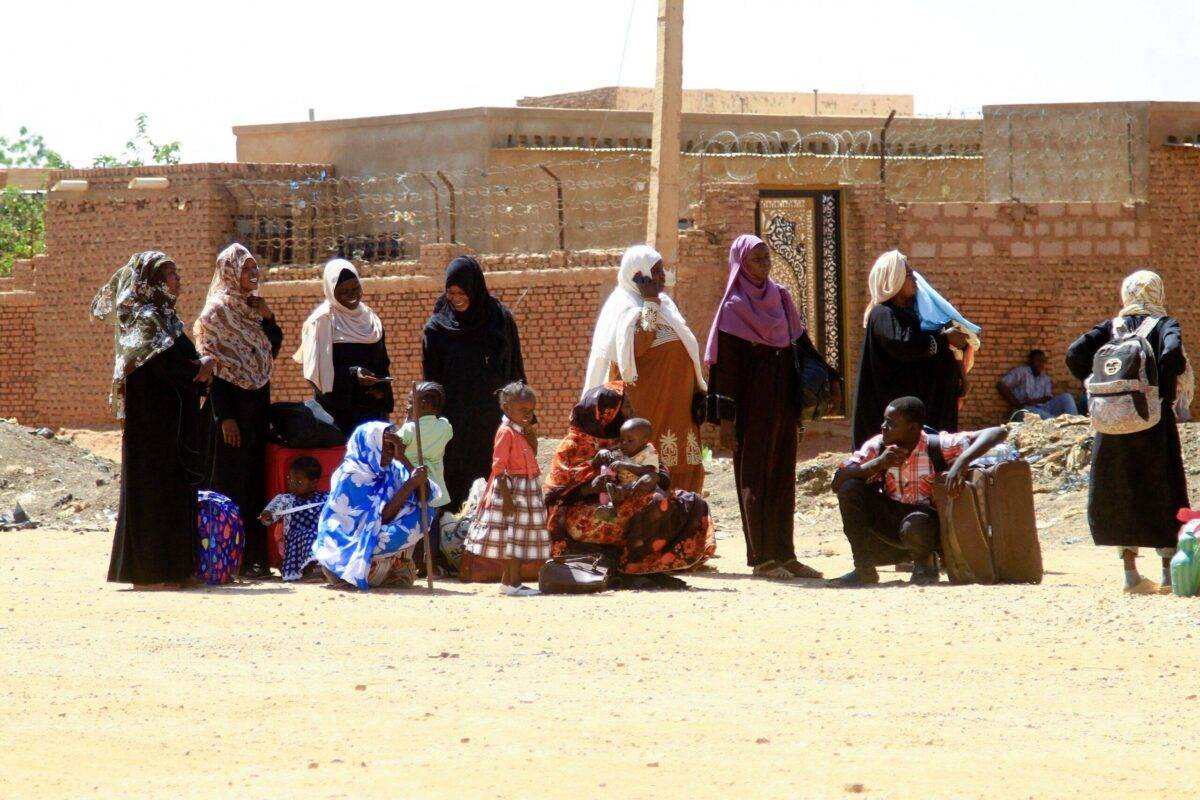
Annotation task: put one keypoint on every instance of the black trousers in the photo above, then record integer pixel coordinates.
(884, 531)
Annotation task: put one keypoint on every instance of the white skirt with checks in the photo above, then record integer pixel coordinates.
(524, 537)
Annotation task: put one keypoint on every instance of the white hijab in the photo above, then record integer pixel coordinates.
(886, 279)
(332, 323)
(612, 341)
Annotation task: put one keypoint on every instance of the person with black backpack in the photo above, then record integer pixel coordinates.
(1136, 370)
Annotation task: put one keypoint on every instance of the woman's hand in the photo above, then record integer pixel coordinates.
(647, 286)
(205, 374)
(956, 338)
(259, 304)
(728, 435)
(231, 432)
(366, 377)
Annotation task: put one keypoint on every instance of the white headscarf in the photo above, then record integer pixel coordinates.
(332, 323)
(886, 279)
(612, 341)
(1143, 293)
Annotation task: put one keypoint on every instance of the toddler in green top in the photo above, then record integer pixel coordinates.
(424, 406)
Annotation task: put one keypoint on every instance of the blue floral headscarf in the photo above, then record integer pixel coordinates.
(351, 532)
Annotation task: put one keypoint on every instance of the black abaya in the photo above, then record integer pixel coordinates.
(472, 365)
(349, 402)
(237, 472)
(155, 539)
(761, 382)
(901, 360)
(1137, 482)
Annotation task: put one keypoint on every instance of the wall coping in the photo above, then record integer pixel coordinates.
(390, 284)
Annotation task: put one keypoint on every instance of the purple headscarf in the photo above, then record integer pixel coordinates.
(761, 313)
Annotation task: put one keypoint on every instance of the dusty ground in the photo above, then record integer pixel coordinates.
(736, 688)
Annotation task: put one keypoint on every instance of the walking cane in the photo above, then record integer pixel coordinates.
(423, 498)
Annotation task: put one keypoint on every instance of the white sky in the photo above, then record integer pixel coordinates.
(80, 72)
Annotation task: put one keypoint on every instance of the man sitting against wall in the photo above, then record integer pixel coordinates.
(1028, 388)
(885, 491)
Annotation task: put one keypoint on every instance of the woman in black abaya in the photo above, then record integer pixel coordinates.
(471, 347)
(158, 378)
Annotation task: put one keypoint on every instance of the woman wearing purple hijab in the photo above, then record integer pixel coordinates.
(752, 393)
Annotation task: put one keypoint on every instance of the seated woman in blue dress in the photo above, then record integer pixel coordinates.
(371, 521)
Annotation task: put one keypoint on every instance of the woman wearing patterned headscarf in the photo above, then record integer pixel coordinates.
(899, 359)
(471, 347)
(752, 388)
(1138, 484)
(647, 540)
(643, 340)
(237, 328)
(343, 352)
(157, 380)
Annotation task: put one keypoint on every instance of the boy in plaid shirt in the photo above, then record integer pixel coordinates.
(885, 491)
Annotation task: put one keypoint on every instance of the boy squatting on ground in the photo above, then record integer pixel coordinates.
(885, 492)
(300, 509)
(633, 463)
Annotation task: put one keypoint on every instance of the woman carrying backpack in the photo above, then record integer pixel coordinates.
(1137, 484)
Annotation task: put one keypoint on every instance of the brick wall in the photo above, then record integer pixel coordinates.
(1033, 275)
(18, 352)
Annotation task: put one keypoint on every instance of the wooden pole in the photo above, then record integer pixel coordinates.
(662, 223)
(421, 493)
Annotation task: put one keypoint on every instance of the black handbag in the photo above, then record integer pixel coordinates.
(573, 575)
(814, 380)
(303, 426)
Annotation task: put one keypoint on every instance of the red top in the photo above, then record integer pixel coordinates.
(512, 454)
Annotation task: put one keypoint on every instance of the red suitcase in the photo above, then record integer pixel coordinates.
(279, 458)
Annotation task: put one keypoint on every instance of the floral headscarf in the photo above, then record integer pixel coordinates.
(1143, 293)
(351, 532)
(595, 423)
(229, 330)
(142, 312)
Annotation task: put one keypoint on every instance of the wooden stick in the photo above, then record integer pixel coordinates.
(422, 495)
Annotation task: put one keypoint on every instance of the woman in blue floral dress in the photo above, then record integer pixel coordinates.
(371, 521)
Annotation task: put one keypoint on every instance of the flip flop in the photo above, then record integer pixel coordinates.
(773, 570)
(802, 570)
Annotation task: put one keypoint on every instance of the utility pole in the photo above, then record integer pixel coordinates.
(662, 224)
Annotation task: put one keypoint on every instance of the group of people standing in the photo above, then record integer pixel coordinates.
(648, 383)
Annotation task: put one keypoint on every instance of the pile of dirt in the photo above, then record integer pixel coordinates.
(56, 483)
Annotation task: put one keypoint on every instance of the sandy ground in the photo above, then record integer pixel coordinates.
(736, 688)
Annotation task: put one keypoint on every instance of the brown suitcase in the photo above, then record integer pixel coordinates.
(966, 552)
(1016, 551)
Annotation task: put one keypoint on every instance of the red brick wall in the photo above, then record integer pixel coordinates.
(1034, 276)
(18, 352)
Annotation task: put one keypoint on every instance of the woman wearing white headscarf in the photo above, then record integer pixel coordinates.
(237, 328)
(643, 340)
(1138, 484)
(899, 359)
(343, 353)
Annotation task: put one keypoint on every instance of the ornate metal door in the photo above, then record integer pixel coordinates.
(803, 229)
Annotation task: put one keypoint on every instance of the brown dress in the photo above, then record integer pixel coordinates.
(663, 394)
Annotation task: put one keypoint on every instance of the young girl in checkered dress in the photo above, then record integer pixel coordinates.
(511, 521)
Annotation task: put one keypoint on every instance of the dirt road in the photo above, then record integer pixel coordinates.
(736, 688)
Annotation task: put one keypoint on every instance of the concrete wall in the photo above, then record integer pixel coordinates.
(724, 101)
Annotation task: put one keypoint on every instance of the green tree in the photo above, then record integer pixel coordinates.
(22, 213)
(141, 150)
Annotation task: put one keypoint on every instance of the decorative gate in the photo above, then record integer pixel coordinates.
(803, 229)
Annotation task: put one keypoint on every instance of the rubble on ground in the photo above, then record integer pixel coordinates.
(48, 482)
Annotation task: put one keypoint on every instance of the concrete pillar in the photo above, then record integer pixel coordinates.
(662, 225)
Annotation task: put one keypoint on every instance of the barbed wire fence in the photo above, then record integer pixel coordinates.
(537, 197)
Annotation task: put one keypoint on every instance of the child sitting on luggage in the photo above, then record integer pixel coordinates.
(425, 406)
(299, 508)
(635, 460)
(511, 521)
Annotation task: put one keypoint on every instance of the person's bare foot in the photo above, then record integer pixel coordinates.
(802, 570)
